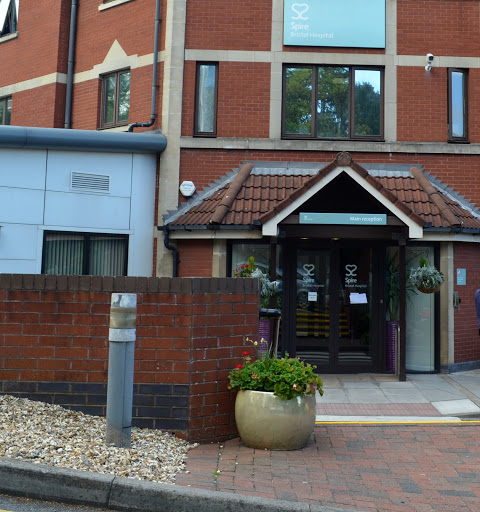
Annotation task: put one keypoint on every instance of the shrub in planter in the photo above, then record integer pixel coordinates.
(275, 403)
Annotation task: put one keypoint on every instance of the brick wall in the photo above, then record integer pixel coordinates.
(195, 258)
(190, 333)
(467, 339)
(422, 104)
(243, 99)
(460, 172)
(214, 24)
(441, 28)
(39, 106)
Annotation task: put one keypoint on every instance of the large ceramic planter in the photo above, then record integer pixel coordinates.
(266, 421)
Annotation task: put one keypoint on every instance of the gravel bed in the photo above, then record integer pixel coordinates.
(49, 434)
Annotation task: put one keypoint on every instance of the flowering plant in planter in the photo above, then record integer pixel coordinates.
(286, 377)
(426, 278)
(267, 287)
(245, 270)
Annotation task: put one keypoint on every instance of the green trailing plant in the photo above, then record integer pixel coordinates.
(286, 377)
(426, 278)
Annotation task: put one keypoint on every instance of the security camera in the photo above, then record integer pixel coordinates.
(430, 58)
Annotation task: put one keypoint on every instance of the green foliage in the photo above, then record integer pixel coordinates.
(392, 286)
(286, 377)
(367, 110)
(426, 276)
(298, 111)
(330, 102)
(268, 288)
(245, 270)
(333, 102)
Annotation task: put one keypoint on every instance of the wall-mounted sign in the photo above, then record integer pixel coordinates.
(351, 23)
(363, 219)
(461, 276)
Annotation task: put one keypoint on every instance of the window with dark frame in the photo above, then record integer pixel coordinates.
(457, 105)
(332, 102)
(206, 91)
(70, 253)
(115, 99)
(8, 17)
(5, 110)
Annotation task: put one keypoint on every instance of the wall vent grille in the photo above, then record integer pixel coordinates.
(90, 182)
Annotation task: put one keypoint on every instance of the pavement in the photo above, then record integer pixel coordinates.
(378, 445)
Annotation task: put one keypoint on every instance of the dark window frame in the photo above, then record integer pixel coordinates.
(451, 137)
(10, 25)
(351, 136)
(86, 247)
(7, 107)
(104, 79)
(196, 131)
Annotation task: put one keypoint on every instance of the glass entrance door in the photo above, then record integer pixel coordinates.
(334, 308)
(313, 305)
(355, 308)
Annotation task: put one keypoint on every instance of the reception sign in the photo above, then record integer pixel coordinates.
(347, 23)
(359, 219)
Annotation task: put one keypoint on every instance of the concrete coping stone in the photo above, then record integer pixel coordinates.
(127, 284)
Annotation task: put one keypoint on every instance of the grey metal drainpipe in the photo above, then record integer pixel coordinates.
(71, 56)
(153, 115)
(170, 247)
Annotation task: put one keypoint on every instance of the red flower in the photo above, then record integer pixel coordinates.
(245, 354)
(239, 366)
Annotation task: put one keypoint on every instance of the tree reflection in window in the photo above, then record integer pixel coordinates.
(116, 99)
(332, 102)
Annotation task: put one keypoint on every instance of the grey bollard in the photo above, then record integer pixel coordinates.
(122, 335)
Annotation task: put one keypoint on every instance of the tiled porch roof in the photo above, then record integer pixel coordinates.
(258, 191)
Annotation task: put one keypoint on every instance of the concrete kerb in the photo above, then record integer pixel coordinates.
(19, 478)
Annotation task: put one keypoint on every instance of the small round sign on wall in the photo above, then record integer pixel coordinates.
(187, 188)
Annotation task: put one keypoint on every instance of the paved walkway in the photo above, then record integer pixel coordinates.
(379, 445)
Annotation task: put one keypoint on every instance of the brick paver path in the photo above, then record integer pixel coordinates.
(394, 467)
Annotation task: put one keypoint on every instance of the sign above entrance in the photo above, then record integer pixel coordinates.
(359, 219)
(347, 23)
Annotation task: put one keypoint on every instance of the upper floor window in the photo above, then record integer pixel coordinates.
(206, 87)
(5, 110)
(457, 105)
(8, 16)
(108, 4)
(115, 99)
(332, 102)
(68, 253)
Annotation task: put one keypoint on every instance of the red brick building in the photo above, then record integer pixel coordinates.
(373, 117)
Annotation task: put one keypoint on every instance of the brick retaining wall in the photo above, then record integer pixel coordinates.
(190, 333)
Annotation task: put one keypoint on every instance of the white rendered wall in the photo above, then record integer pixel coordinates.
(36, 195)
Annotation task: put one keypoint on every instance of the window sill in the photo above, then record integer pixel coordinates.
(111, 4)
(365, 139)
(122, 128)
(8, 37)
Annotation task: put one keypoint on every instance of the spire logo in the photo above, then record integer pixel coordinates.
(300, 10)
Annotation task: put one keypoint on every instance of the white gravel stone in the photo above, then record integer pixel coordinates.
(49, 434)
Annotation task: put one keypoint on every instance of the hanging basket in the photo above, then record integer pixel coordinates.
(428, 290)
